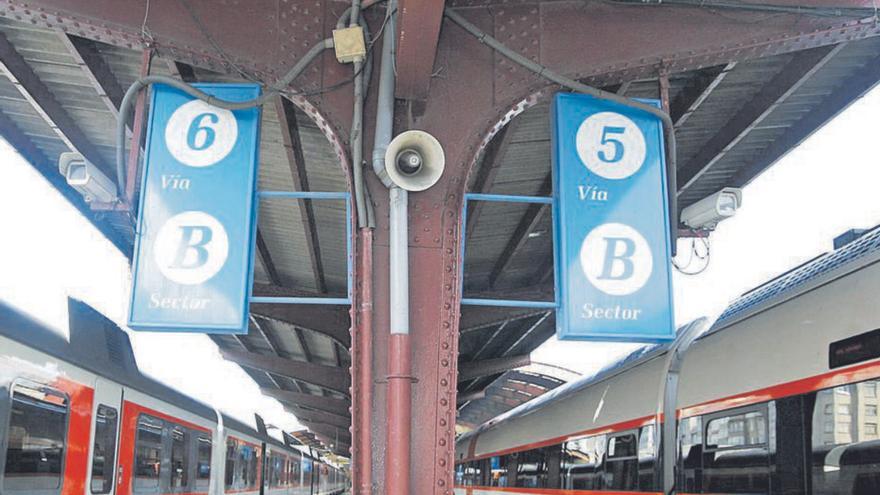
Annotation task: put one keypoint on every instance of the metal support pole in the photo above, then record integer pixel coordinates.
(137, 132)
(364, 461)
(397, 472)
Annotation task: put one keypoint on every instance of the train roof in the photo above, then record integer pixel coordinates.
(97, 345)
(855, 254)
(862, 250)
(635, 358)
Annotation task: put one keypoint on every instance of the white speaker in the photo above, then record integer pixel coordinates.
(414, 160)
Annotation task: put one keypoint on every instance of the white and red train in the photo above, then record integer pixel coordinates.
(779, 396)
(78, 418)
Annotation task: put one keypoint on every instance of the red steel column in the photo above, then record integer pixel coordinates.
(364, 416)
(399, 415)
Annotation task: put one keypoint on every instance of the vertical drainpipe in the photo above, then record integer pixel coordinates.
(399, 392)
(397, 463)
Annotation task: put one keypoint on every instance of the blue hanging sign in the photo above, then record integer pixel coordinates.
(192, 263)
(611, 222)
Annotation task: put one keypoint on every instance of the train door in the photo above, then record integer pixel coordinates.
(105, 438)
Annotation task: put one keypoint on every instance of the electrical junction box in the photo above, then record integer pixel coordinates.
(349, 44)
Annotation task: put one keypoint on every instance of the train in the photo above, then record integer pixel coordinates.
(778, 396)
(77, 417)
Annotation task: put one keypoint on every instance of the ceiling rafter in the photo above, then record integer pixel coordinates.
(696, 91)
(329, 377)
(488, 171)
(832, 105)
(330, 404)
(798, 70)
(96, 69)
(296, 161)
(533, 215)
(476, 369)
(32, 88)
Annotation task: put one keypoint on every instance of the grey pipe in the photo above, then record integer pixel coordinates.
(545, 72)
(399, 257)
(385, 102)
(143, 82)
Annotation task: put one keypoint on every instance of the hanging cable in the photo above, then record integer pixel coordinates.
(143, 82)
(577, 86)
(695, 254)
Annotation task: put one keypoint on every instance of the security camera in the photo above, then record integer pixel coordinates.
(707, 212)
(85, 177)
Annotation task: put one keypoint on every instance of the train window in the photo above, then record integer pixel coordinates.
(582, 463)
(621, 463)
(36, 437)
(498, 470)
(203, 459)
(275, 470)
(148, 453)
(531, 469)
(231, 456)
(104, 450)
(846, 460)
(647, 452)
(179, 457)
(690, 449)
(736, 457)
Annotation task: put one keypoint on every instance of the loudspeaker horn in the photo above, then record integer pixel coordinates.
(414, 160)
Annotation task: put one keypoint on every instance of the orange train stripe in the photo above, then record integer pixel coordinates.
(549, 491)
(852, 374)
(831, 379)
(79, 433)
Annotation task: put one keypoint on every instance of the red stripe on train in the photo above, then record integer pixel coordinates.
(548, 491)
(79, 432)
(831, 379)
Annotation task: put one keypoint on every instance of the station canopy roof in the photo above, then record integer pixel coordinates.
(61, 92)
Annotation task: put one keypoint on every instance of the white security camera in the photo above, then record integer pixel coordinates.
(707, 212)
(85, 177)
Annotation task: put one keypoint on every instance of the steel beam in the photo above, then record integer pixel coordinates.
(180, 70)
(475, 318)
(266, 259)
(329, 377)
(331, 321)
(297, 163)
(43, 101)
(486, 367)
(96, 69)
(696, 91)
(461, 399)
(240, 339)
(319, 417)
(802, 65)
(339, 407)
(837, 102)
(418, 34)
(488, 170)
(332, 434)
(531, 329)
(533, 215)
